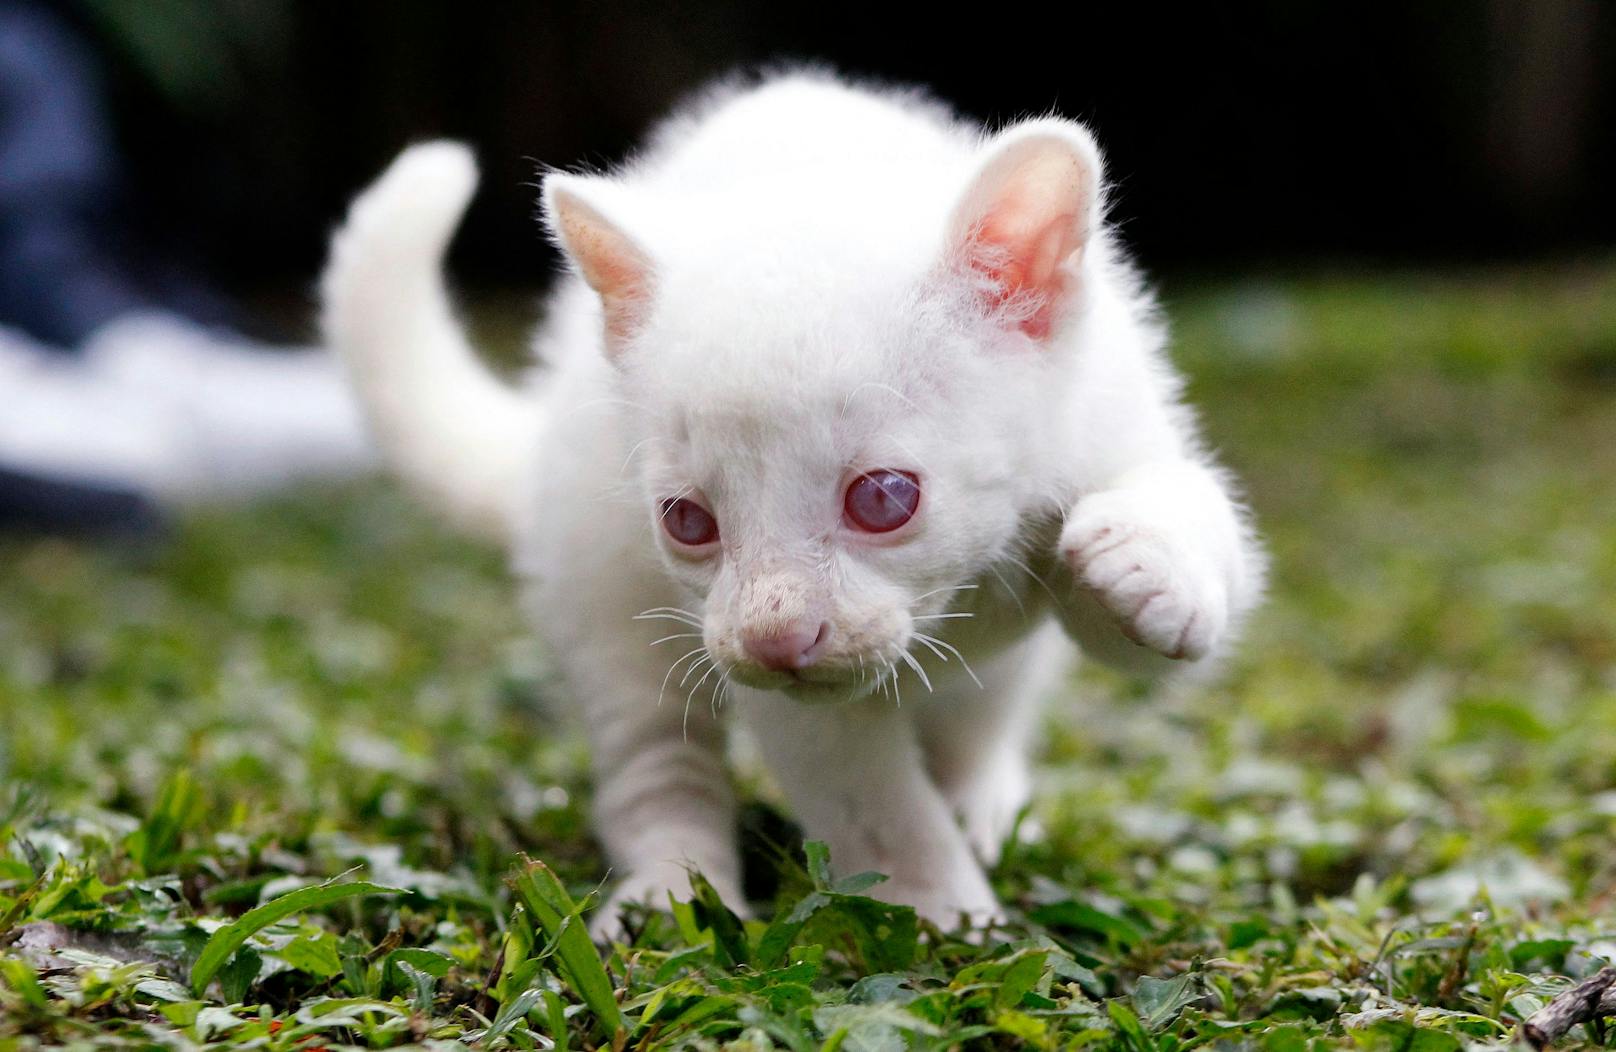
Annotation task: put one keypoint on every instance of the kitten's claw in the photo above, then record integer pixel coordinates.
(1147, 571)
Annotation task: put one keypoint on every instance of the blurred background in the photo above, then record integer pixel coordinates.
(1254, 134)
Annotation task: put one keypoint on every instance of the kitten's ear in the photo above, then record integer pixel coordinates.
(609, 260)
(1022, 226)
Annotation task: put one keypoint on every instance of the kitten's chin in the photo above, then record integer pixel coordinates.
(811, 686)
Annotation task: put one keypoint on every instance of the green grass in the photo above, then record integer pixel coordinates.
(1392, 825)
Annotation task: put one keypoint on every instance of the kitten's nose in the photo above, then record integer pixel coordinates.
(785, 650)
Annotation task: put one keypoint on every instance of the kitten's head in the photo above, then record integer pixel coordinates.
(839, 399)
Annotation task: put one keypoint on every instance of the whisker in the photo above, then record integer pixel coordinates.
(1021, 564)
(676, 619)
(710, 670)
(911, 453)
(943, 617)
(897, 691)
(930, 643)
(635, 449)
(665, 610)
(715, 702)
(681, 635)
(914, 663)
(933, 641)
(1011, 592)
(880, 387)
(593, 402)
(669, 613)
(675, 497)
(676, 663)
(705, 659)
(934, 591)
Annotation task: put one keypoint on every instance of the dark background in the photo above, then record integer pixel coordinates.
(1271, 134)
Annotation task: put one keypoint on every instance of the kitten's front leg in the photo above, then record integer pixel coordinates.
(663, 804)
(1165, 557)
(856, 778)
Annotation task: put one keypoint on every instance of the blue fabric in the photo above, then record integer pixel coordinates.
(58, 183)
(58, 282)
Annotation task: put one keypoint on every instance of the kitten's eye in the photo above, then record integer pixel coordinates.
(688, 522)
(881, 501)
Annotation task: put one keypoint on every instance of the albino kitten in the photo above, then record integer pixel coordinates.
(850, 410)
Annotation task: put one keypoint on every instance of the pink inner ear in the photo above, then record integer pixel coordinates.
(1034, 219)
(610, 263)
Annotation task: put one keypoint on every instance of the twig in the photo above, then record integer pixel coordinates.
(1591, 999)
(1455, 976)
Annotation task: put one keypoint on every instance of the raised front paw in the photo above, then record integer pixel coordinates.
(1146, 568)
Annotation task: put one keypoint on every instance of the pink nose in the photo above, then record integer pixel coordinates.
(797, 646)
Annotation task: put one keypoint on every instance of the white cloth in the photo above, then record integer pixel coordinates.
(164, 407)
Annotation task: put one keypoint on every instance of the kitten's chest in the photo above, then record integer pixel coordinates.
(1011, 597)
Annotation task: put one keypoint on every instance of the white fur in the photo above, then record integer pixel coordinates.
(798, 283)
(447, 425)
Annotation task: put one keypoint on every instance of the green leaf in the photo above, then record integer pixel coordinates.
(887, 935)
(1551, 952)
(155, 845)
(556, 1011)
(431, 962)
(885, 986)
(182, 1013)
(1128, 1023)
(1020, 978)
(1158, 1001)
(1021, 1025)
(18, 976)
(729, 938)
(312, 955)
(579, 964)
(237, 976)
(1285, 1039)
(231, 937)
(1066, 968)
(858, 883)
(818, 856)
(778, 937)
(424, 985)
(1072, 914)
(1247, 933)
(1395, 1035)
(512, 1012)
(517, 971)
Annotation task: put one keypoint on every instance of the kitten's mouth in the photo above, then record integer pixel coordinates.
(819, 684)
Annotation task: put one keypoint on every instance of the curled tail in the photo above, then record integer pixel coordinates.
(449, 427)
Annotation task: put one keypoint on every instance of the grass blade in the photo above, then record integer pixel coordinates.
(227, 940)
(579, 963)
